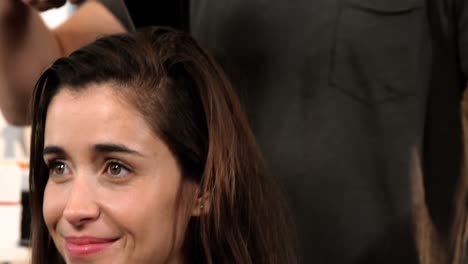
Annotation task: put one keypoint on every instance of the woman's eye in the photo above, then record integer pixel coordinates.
(58, 168)
(117, 169)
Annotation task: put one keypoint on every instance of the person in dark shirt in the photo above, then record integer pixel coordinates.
(340, 93)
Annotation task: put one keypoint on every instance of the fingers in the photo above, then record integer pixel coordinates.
(43, 5)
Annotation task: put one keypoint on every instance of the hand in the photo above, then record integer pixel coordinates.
(43, 5)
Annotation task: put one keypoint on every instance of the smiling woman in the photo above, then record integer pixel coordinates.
(141, 154)
(118, 181)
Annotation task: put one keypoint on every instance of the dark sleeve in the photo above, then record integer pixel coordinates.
(462, 13)
(134, 14)
(171, 13)
(120, 11)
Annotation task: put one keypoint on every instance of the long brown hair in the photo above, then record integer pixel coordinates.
(434, 246)
(187, 100)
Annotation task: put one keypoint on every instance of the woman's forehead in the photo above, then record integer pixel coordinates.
(95, 113)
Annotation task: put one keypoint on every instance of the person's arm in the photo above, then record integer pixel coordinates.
(27, 47)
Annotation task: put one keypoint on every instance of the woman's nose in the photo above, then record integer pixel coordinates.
(80, 207)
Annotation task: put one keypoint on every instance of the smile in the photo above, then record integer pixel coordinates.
(84, 246)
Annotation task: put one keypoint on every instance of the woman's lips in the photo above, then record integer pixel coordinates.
(84, 246)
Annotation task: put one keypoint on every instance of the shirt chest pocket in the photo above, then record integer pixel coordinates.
(376, 54)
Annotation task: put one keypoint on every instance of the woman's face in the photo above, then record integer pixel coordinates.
(113, 193)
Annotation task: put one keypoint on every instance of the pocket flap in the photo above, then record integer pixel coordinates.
(386, 6)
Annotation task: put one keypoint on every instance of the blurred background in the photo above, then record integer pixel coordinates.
(14, 155)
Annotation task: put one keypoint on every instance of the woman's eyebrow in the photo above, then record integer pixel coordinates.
(53, 150)
(111, 147)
